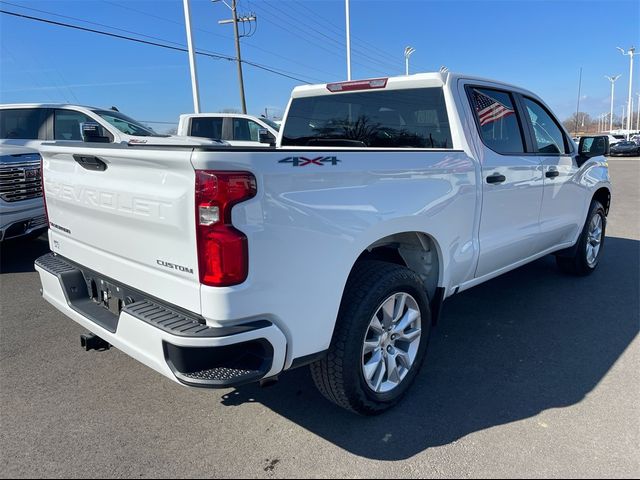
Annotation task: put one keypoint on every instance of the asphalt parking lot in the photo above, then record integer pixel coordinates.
(532, 374)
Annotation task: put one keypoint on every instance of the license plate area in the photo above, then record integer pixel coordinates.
(96, 297)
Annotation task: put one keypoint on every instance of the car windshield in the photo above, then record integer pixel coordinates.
(271, 123)
(126, 124)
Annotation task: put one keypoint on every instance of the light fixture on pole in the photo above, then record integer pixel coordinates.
(192, 58)
(407, 53)
(630, 53)
(612, 79)
(348, 35)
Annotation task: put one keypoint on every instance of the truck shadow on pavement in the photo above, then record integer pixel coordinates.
(531, 340)
(18, 255)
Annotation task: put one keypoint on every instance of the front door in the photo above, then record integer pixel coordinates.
(563, 201)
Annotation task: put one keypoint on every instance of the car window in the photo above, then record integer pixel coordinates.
(207, 127)
(125, 124)
(66, 125)
(271, 123)
(21, 123)
(245, 130)
(254, 131)
(548, 134)
(407, 118)
(499, 125)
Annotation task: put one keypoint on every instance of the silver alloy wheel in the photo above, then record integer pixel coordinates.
(391, 342)
(594, 240)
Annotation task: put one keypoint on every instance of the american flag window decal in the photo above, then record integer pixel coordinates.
(489, 109)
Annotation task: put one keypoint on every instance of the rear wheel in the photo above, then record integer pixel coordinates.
(586, 255)
(380, 339)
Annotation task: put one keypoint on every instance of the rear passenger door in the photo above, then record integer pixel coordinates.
(561, 215)
(512, 180)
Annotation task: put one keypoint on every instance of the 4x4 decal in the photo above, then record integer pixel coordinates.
(304, 161)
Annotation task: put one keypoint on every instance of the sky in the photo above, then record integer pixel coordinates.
(540, 45)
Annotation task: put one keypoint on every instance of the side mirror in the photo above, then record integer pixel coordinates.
(94, 132)
(267, 137)
(590, 147)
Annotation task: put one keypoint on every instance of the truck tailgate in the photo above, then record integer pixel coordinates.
(127, 213)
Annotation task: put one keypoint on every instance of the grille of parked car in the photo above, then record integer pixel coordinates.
(20, 180)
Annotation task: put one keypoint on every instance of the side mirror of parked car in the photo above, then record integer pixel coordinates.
(590, 147)
(94, 132)
(266, 137)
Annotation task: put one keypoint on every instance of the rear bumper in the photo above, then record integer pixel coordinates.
(175, 343)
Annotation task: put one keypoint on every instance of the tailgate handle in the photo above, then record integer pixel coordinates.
(90, 162)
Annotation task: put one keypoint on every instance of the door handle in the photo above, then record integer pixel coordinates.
(496, 178)
(90, 162)
(552, 173)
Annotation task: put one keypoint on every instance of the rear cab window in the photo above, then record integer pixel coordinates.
(206, 127)
(399, 118)
(23, 123)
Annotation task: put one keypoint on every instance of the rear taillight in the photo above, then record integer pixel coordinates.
(44, 197)
(223, 256)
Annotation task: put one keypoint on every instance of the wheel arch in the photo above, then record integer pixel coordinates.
(603, 195)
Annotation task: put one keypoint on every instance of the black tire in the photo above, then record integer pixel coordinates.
(339, 375)
(577, 262)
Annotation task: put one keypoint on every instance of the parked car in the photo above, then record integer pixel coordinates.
(234, 128)
(220, 266)
(32, 124)
(625, 148)
(21, 206)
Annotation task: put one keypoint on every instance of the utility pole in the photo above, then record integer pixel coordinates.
(612, 79)
(348, 34)
(236, 20)
(630, 53)
(192, 58)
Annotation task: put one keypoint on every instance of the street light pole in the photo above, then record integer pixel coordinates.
(348, 32)
(612, 79)
(192, 58)
(407, 53)
(638, 118)
(622, 119)
(630, 53)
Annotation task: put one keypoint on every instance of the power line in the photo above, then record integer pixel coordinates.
(331, 39)
(326, 23)
(216, 56)
(277, 21)
(248, 44)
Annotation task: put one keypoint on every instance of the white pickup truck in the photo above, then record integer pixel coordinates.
(218, 266)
